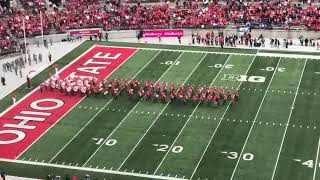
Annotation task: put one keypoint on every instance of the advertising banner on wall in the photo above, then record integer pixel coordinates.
(163, 33)
(84, 32)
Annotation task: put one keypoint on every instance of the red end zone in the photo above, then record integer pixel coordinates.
(30, 118)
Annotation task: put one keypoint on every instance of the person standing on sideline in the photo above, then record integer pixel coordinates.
(106, 36)
(3, 175)
(3, 81)
(20, 72)
(50, 56)
(28, 82)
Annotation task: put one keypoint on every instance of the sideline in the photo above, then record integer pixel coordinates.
(90, 169)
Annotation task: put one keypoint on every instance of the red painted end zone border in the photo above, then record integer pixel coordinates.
(22, 124)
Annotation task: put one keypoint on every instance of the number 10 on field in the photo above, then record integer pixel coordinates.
(109, 142)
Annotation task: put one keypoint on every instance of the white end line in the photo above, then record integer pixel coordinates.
(35, 89)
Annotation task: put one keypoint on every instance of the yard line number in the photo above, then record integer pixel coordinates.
(227, 66)
(165, 148)
(171, 62)
(270, 69)
(235, 155)
(110, 142)
(308, 163)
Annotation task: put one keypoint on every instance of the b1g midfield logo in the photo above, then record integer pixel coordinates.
(243, 78)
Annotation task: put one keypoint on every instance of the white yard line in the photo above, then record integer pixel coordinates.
(255, 118)
(90, 169)
(204, 152)
(79, 131)
(125, 160)
(289, 118)
(114, 130)
(99, 110)
(189, 118)
(316, 165)
(157, 118)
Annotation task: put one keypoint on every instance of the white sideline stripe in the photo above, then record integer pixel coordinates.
(151, 125)
(100, 109)
(296, 56)
(204, 152)
(114, 130)
(89, 169)
(255, 118)
(35, 89)
(175, 140)
(285, 131)
(316, 165)
(293, 56)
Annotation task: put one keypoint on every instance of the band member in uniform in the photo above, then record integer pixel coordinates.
(224, 98)
(75, 89)
(216, 100)
(83, 91)
(195, 99)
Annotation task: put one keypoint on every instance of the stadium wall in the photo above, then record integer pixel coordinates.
(282, 34)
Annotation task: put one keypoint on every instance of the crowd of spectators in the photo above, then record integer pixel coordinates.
(62, 15)
(268, 13)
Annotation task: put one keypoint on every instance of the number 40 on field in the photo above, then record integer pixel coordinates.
(308, 163)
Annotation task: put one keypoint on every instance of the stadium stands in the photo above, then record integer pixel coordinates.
(183, 14)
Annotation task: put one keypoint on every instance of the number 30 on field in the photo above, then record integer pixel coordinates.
(235, 155)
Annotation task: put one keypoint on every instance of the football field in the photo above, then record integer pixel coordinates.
(271, 133)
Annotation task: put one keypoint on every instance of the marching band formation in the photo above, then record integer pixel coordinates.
(148, 90)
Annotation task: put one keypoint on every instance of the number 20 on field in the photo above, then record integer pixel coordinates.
(165, 148)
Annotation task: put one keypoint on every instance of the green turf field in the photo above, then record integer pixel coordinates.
(271, 133)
